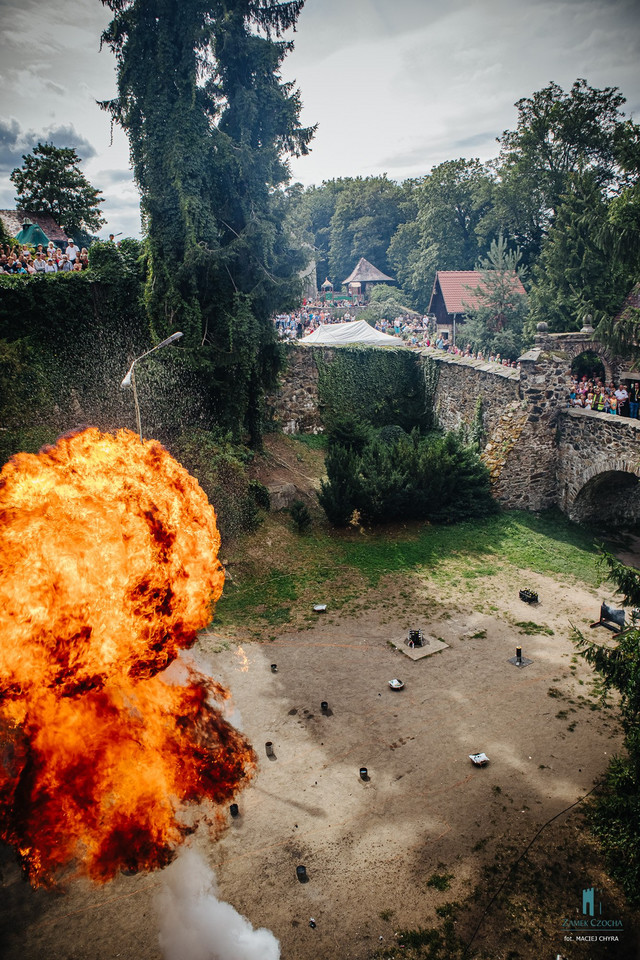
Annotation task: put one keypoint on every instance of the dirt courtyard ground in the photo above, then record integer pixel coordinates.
(376, 851)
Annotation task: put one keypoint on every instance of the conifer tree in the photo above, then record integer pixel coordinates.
(577, 272)
(210, 125)
(498, 306)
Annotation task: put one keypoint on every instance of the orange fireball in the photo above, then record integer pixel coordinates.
(108, 568)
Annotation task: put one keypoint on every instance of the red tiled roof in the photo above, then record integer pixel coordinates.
(457, 286)
(12, 220)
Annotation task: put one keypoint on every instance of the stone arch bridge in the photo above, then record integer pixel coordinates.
(539, 452)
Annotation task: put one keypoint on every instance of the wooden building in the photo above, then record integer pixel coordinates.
(363, 277)
(454, 291)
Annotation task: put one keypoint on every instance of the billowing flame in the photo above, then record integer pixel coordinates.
(108, 568)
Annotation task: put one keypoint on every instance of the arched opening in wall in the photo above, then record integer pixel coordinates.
(608, 501)
(588, 364)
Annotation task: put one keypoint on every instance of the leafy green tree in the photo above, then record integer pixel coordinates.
(310, 219)
(620, 237)
(498, 306)
(50, 181)
(616, 813)
(211, 125)
(383, 293)
(558, 135)
(451, 203)
(411, 269)
(368, 211)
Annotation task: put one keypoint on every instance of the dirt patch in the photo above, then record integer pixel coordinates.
(286, 461)
(371, 846)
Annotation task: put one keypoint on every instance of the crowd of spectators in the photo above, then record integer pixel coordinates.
(596, 394)
(295, 326)
(440, 343)
(29, 261)
(416, 331)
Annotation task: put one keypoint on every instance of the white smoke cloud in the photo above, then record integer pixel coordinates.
(195, 925)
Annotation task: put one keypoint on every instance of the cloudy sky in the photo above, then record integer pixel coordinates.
(395, 86)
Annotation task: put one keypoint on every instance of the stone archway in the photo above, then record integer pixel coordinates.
(589, 363)
(608, 496)
(574, 344)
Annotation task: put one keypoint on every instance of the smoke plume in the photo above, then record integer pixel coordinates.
(195, 925)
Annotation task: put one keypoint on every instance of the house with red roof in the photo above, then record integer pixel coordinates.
(13, 220)
(453, 292)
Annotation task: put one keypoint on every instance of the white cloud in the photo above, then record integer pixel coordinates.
(395, 87)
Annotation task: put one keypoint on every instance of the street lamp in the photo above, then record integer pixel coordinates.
(130, 378)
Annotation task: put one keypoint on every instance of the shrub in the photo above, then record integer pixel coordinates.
(260, 494)
(301, 516)
(339, 494)
(414, 477)
(348, 432)
(391, 433)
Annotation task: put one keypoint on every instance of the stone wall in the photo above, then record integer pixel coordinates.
(468, 387)
(518, 410)
(528, 479)
(539, 453)
(294, 405)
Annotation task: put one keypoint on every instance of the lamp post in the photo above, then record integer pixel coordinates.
(130, 377)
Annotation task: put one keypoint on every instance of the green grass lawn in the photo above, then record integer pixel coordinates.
(345, 564)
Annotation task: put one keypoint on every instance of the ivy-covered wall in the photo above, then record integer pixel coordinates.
(66, 341)
(377, 385)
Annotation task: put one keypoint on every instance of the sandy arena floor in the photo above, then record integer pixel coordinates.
(368, 847)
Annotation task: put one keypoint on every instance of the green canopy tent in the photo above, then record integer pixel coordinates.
(31, 234)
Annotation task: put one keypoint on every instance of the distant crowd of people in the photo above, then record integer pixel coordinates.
(29, 261)
(441, 344)
(300, 323)
(416, 331)
(594, 394)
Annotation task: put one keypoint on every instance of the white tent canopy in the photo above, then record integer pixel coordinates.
(345, 334)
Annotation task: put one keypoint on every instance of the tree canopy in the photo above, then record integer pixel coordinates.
(563, 189)
(50, 181)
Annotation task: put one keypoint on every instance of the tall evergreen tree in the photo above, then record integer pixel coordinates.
(577, 273)
(210, 125)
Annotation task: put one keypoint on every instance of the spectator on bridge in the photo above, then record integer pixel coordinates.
(634, 400)
(622, 397)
